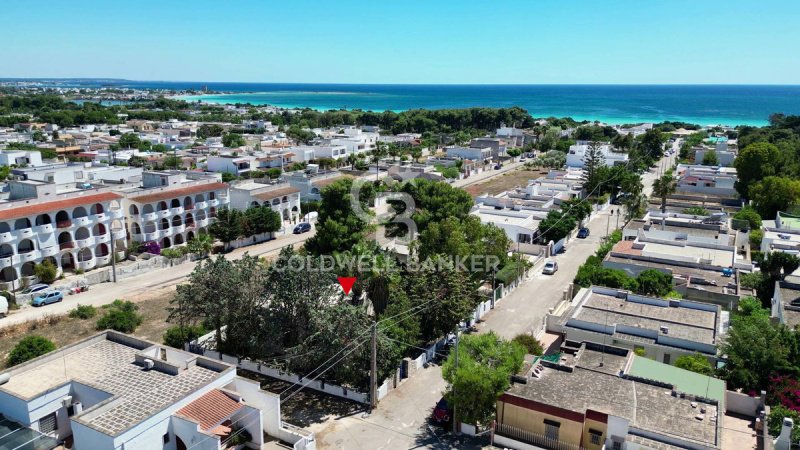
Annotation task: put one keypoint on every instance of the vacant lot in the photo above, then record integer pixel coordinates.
(496, 185)
(64, 330)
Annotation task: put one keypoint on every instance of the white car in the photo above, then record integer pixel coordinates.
(34, 288)
(550, 267)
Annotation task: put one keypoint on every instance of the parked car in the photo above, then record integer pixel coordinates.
(550, 267)
(302, 228)
(583, 233)
(46, 298)
(3, 306)
(497, 167)
(441, 413)
(35, 288)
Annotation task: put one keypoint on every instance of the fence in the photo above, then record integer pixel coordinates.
(505, 433)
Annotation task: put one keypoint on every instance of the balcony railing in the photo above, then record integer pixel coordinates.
(66, 245)
(31, 255)
(64, 224)
(149, 217)
(42, 229)
(532, 438)
(81, 221)
(7, 237)
(50, 251)
(201, 205)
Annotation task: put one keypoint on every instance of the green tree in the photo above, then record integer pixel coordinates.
(232, 140)
(654, 283)
(46, 271)
(555, 226)
(710, 158)
(485, 365)
(750, 215)
(209, 130)
(593, 161)
(227, 226)
(696, 363)
(28, 348)
(663, 187)
(772, 194)
(177, 336)
(201, 244)
(129, 140)
(338, 227)
(274, 173)
(755, 162)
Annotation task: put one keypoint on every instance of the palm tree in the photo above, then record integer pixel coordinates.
(201, 245)
(663, 187)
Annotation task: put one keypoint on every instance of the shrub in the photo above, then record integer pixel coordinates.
(696, 211)
(83, 312)
(531, 344)
(696, 363)
(749, 214)
(775, 421)
(755, 238)
(46, 271)
(28, 348)
(121, 316)
(178, 335)
(751, 280)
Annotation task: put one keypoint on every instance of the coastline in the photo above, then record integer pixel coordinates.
(230, 98)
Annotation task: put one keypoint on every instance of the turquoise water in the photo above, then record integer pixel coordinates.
(701, 104)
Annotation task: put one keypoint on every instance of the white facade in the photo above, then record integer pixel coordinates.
(71, 230)
(171, 210)
(20, 158)
(577, 152)
(280, 197)
(474, 154)
(331, 151)
(235, 165)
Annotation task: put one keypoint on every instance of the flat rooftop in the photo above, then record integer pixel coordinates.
(706, 279)
(647, 406)
(108, 362)
(683, 323)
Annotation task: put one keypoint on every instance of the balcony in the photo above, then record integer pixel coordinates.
(178, 229)
(103, 260)
(153, 236)
(165, 233)
(202, 222)
(24, 233)
(99, 217)
(213, 202)
(44, 229)
(7, 237)
(162, 213)
(66, 245)
(176, 210)
(117, 213)
(6, 260)
(81, 221)
(86, 265)
(32, 255)
(149, 217)
(64, 224)
(85, 243)
(103, 238)
(50, 251)
(119, 234)
(201, 205)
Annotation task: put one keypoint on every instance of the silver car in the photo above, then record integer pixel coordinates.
(550, 267)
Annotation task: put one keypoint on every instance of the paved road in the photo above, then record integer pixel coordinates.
(147, 285)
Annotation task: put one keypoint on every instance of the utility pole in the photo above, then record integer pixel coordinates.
(455, 420)
(373, 373)
(608, 222)
(617, 219)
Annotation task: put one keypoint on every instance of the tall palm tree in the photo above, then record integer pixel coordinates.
(663, 187)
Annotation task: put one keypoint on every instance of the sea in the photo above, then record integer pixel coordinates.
(613, 104)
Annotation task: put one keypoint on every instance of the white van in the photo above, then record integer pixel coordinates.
(3, 306)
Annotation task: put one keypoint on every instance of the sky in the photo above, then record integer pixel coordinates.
(406, 41)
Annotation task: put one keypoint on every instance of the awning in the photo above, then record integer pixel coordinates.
(14, 436)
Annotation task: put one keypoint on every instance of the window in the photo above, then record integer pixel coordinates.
(595, 436)
(666, 358)
(47, 424)
(551, 429)
(165, 438)
(617, 445)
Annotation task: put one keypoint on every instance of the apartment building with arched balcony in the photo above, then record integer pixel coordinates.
(71, 229)
(281, 197)
(172, 207)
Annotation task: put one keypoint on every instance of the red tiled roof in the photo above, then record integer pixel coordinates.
(180, 192)
(269, 195)
(33, 210)
(210, 409)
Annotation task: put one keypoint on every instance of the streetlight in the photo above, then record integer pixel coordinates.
(112, 229)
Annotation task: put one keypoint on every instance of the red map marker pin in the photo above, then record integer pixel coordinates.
(346, 283)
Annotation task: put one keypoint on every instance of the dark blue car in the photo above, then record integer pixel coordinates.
(583, 233)
(302, 228)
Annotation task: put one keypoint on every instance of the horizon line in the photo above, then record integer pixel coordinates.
(398, 84)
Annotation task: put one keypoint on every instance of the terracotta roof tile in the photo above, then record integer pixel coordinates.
(180, 192)
(210, 409)
(32, 210)
(269, 195)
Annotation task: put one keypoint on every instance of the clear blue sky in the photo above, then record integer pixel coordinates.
(406, 41)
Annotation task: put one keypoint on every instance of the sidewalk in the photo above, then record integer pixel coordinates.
(147, 285)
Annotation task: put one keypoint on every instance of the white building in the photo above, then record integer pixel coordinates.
(20, 158)
(172, 207)
(331, 151)
(112, 391)
(577, 152)
(310, 184)
(472, 153)
(520, 226)
(717, 181)
(71, 229)
(280, 196)
(301, 153)
(234, 165)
